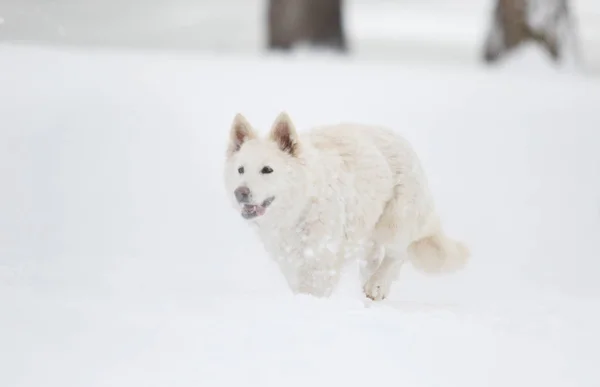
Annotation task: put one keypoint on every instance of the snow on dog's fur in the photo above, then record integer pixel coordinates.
(334, 194)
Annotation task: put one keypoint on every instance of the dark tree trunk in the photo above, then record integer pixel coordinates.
(315, 22)
(515, 22)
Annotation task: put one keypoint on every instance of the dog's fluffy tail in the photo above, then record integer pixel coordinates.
(437, 253)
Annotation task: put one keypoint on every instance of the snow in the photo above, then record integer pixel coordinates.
(122, 263)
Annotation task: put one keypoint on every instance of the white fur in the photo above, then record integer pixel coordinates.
(342, 193)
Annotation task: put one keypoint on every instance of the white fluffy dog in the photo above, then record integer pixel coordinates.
(334, 194)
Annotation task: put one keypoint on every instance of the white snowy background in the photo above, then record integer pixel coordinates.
(122, 264)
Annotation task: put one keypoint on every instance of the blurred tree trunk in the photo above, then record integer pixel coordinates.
(315, 22)
(515, 22)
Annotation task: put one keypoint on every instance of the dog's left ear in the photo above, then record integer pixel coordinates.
(283, 133)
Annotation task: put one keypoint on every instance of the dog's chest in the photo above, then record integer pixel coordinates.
(301, 241)
(313, 241)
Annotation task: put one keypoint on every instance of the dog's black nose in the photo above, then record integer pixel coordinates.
(242, 194)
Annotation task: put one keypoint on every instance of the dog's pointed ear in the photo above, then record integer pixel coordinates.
(241, 131)
(283, 133)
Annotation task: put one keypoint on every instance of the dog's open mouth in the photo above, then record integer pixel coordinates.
(250, 211)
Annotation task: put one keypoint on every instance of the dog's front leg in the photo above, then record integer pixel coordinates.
(318, 277)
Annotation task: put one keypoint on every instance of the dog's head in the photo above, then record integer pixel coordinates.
(264, 177)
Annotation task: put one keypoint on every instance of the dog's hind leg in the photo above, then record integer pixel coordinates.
(378, 286)
(371, 262)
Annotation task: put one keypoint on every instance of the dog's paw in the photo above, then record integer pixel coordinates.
(377, 288)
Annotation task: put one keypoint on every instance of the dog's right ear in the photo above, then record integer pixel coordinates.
(241, 131)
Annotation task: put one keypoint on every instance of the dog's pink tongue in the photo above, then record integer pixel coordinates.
(260, 210)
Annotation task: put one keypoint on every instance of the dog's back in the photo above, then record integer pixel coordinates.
(379, 165)
(387, 194)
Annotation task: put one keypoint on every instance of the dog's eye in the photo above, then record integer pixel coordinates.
(266, 169)
(241, 170)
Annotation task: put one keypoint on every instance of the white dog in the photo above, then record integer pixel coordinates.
(336, 194)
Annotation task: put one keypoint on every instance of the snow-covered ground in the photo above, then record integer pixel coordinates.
(122, 264)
